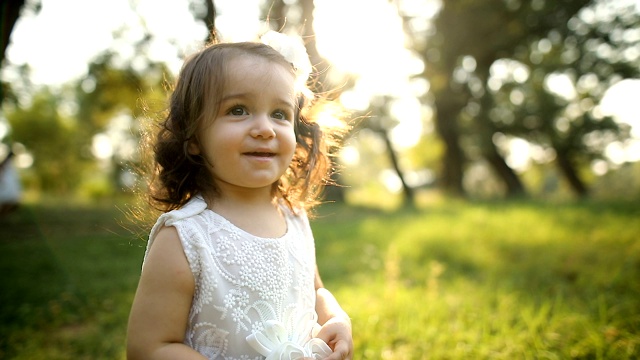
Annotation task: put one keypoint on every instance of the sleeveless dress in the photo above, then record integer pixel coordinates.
(254, 297)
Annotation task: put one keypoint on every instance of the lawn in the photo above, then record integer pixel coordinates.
(490, 280)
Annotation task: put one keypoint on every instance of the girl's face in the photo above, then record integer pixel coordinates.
(250, 143)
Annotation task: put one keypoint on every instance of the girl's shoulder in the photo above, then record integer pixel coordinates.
(195, 206)
(192, 208)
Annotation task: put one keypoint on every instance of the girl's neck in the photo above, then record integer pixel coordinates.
(257, 215)
(244, 198)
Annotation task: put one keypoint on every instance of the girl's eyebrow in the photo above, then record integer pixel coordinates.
(286, 103)
(242, 96)
(234, 97)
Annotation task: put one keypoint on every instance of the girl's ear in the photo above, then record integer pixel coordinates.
(193, 148)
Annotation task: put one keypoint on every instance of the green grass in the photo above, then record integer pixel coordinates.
(68, 275)
(460, 280)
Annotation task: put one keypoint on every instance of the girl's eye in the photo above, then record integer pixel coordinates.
(238, 111)
(279, 115)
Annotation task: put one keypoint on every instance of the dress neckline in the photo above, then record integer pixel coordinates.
(243, 232)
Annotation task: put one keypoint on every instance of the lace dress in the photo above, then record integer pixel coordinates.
(254, 297)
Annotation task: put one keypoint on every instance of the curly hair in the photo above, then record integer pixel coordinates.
(178, 175)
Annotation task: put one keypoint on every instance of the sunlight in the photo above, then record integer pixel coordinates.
(519, 157)
(329, 117)
(350, 155)
(57, 52)
(52, 44)
(101, 146)
(390, 180)
(4, 127)
(620, 101)
(561, 85)
(409, 131)
(373, 41)
(506, 70)
(371, 47)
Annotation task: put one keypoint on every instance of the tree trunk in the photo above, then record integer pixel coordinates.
(320, 65)
(409, 196)
(452, 171)
(485, 131)
(9, 13)
(210, 22)
(569, 171)
(277, 13)
(509, 178)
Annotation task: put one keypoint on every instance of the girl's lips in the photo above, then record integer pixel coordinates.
(260, 154)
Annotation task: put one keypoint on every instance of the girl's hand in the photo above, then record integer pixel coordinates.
(336, 332)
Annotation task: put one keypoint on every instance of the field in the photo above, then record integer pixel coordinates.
(458, 280)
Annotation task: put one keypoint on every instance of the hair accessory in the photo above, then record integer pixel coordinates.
(293, 51)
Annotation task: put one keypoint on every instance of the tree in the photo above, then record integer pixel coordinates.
(53, 140)
(9, 14)
(205, 11)
(61, 141)
(588, 57)
(467, 39)
(109, 94)
(380, 121)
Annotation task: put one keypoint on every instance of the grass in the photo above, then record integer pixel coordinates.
(68, 277)
(521, 280)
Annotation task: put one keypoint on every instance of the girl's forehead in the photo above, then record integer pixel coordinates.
(255, 64)
(258, 73)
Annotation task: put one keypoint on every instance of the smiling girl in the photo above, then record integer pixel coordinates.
(230, 269)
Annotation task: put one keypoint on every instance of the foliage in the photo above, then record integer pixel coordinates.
(475, 54)
(53, 138)
(590, 42)
(109, 89)
(454, 281)
(58, 125)
(591, 57)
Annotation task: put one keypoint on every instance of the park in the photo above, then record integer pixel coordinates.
(485, 197)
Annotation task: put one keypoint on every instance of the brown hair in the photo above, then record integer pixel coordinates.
(177, 175)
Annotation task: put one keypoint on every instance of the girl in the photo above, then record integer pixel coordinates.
(229, 271)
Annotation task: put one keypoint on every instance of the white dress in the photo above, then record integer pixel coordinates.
(254, 297)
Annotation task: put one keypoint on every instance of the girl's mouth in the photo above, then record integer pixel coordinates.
(260, 154)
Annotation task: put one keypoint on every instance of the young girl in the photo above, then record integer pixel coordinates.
(230, 271)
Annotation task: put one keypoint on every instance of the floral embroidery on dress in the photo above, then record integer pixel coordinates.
(211, 341)
(227, 250)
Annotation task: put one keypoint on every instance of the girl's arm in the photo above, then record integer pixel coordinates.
(158, 319)
(336, 325)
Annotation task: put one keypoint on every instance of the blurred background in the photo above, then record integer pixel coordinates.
(488, 197)
(482, 99)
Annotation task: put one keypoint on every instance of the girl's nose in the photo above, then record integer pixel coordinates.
(262, 127)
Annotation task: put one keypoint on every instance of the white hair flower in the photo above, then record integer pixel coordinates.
(293, 51)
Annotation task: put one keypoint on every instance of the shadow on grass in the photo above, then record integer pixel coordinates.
(62, 268)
